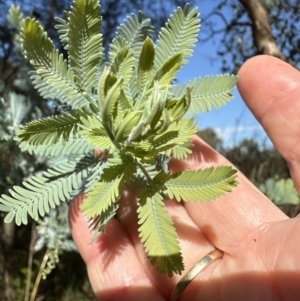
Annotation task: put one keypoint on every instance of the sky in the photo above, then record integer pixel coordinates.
(232, 122)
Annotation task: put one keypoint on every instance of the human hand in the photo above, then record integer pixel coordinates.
(261, 253)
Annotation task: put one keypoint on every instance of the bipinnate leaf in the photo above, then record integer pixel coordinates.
(78, 146)
(182, 105)
(50, 130)
(208, 92)
(178, 36)
(202, 184)
(133, 33)
(93, 131)
(15, 17)
(101, 197)
(121, 166)
(123, 63)
(178, 133)
(158, 233)
(166, 73)
(40, 194)
(129, 122)
(49, 64)
(62, 28)
(85, 42)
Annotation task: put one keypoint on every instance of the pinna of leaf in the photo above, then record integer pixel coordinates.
(128, 108)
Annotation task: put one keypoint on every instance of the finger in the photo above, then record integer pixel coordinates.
(114, 269)
(192, 242)
(271, 89)
(230, 221)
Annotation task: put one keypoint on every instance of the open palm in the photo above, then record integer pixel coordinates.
(261, 251)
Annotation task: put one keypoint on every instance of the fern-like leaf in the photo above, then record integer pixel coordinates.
(62, 28)
(93, 131)
(181, 151)
(15, 17)
(40, 194)
(101, 197)
(85, 42)
(177, 134)
(158, 234)
(49, 64)
(78, 146)
(122, 165)
(133, 32)
(201, 185)
(50, 130)
(207, 92)
(122, 65)
(166, 73)
(179, 36)
(99, 222)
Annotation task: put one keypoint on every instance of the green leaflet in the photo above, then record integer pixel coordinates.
(93, 131)
(145, 64)
(158, 234)
(201, 185)
(182, 105)
(85, 42)
(129, 122)
(50, 130)
(133, 32)
(49, 64)
(40, 194)
(179, 35)
(99, 222)
(182, 151)
(72, 146)
(109, 91)
(177, 134)
(122, 65)
(62, 27)
(101, 197)
(15, 17)
(165, 74)
(119, 166)
(209, 91)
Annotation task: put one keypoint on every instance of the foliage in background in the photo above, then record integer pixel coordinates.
(280, 191)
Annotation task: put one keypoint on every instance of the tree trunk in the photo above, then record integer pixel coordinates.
(261, 30)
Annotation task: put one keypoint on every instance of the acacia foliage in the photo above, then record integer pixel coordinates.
(129, 110)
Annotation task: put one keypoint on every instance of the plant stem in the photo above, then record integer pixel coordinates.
(29, 264)
(142, 168)
(39, 276)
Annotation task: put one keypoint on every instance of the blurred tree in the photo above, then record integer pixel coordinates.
(246, 28)
(211, 138)
(257, 164)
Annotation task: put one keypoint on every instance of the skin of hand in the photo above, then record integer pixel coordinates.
(261, 248)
